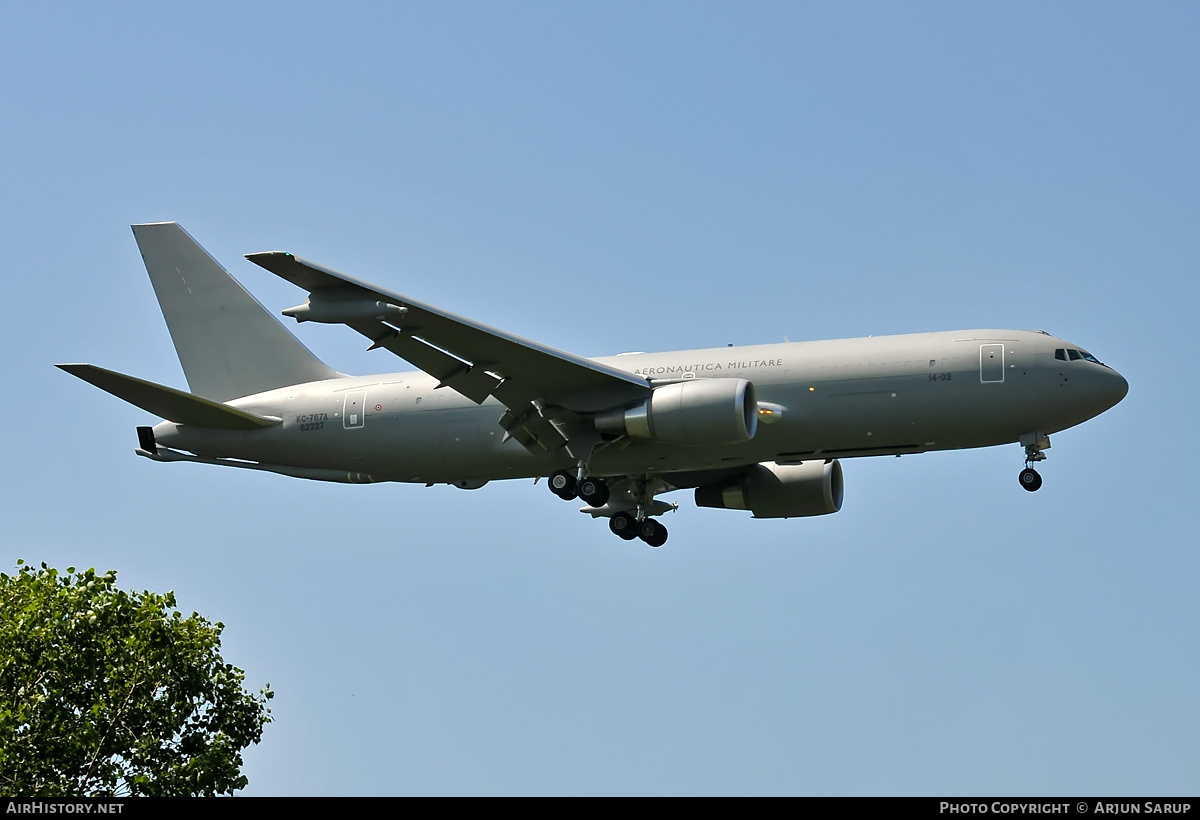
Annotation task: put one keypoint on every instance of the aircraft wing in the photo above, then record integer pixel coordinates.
(545, 390)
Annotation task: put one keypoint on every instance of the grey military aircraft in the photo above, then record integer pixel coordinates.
(759, 428)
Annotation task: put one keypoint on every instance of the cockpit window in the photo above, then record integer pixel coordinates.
(1064, 354)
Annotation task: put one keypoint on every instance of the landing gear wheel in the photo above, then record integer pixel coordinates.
(624, 526)
(562, 484)
(594, 491)
(1030, 479)
(652, 532)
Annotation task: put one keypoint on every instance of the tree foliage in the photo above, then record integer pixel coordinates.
(106, 692)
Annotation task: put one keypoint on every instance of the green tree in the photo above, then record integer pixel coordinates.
(106, 692)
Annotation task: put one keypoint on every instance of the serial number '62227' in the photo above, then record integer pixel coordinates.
(312, 421)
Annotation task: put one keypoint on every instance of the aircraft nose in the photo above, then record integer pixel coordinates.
(1108, 388)
(1118, 386)
(1090, 388)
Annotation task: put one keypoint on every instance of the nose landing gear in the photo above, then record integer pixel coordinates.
(1034, 444)
(1030, 479)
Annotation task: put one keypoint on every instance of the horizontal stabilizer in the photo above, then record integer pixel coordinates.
(167, 402)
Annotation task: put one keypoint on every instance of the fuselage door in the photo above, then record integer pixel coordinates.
(354, 409)
(991, 363)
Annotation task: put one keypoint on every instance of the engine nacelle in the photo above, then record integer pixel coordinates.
(697, 411)
(771, 490)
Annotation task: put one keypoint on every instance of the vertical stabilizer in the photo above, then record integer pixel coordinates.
(228, 344)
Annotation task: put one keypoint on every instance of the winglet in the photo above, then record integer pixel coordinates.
(167, 402)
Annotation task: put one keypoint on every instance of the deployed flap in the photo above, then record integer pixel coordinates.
(534, 381)
(167, 402)
(229, 344)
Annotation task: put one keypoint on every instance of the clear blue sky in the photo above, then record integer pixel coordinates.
(633, 176)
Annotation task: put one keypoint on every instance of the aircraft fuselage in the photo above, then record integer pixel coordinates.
(880, 395)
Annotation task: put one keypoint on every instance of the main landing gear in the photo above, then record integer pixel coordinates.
(1034, 443)
(626, 524)
(592, 490)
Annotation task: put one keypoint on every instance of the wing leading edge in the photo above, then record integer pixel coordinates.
(547, 392)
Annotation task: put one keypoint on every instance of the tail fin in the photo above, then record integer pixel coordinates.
(228, 344)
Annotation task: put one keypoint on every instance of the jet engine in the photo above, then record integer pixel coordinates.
(697, 411)
(771, 490)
